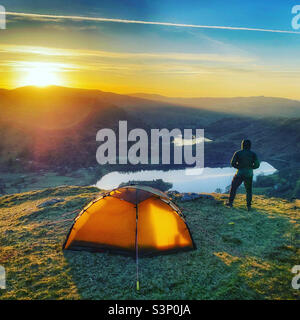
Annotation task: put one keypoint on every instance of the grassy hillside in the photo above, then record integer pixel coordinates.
(240, 255)
(284, 183)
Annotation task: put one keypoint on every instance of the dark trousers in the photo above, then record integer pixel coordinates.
(236, 182)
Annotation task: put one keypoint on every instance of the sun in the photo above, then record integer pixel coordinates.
(41, 78)
(41, 75)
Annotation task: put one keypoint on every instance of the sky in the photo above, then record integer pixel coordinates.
(152, 47)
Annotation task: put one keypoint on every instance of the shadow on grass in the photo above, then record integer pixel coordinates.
(54, 212)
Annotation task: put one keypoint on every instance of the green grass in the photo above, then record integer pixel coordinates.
(240, 254)
(16, 182)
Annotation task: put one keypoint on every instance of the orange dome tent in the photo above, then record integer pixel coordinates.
(135, 220)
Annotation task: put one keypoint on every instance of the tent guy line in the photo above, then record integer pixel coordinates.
(170, 24)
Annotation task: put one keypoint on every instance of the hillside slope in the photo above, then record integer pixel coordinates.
(240, 254)
(55, 128)
(276, 140)
(248, 106)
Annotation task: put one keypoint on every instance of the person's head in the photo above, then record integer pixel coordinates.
(246, 144)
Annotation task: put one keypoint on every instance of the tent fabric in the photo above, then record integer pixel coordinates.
(132, 195)
(136, 194)
(128, 218)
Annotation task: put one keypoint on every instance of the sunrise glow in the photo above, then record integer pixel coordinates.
(40, 75)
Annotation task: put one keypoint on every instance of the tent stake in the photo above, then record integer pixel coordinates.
(136, 244)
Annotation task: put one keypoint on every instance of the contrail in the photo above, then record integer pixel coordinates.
(170, 24)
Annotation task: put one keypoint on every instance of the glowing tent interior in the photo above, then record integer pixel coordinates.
(135, 220)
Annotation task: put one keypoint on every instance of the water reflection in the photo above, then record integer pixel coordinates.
(190, 180)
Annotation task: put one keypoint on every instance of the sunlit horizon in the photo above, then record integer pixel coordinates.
(81, 69)
(130, 93)
(173, 61)
(40, 75)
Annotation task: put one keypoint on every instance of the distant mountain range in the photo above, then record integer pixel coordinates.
(249, 106)
(56, 127)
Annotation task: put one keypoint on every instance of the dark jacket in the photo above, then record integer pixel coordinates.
(245, 161)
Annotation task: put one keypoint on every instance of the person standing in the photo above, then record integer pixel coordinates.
(245, 161)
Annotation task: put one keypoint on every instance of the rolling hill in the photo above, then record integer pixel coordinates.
(247, 106)
(54, 128)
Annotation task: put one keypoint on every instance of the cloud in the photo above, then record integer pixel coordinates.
(12, 48)
(99, 19)
(126, 63)
(24, 57)
(29, 65)
(194, 57)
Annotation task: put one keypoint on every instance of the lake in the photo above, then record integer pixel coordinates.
(188, 180)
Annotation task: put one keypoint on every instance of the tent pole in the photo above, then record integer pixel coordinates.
(136, 244)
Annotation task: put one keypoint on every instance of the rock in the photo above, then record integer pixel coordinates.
(195, 196)
(174, 194)
(50, 203)
(187, 197)
(207, 196)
